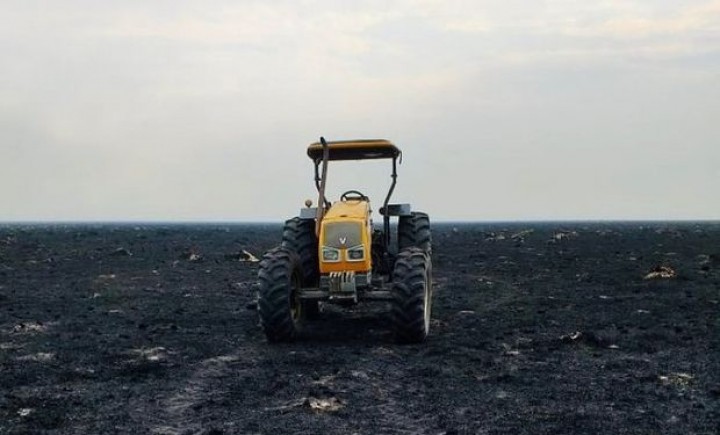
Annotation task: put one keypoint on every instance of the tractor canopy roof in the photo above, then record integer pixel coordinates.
(355, 150)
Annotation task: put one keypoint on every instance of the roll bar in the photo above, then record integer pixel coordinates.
(321, 179)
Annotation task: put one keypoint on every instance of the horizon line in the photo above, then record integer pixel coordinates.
(277, 222)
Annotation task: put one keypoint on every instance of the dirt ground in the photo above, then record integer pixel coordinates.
(537, 329)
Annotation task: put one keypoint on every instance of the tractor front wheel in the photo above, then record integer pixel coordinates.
(279, 306)
(412, 295)
(299, 236)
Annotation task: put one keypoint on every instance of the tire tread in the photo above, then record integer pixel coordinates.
(410, 277)
(274, 278)
(414, 230)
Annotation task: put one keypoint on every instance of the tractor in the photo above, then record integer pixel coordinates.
(332, 253)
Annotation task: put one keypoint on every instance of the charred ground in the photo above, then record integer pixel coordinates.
(537, 328)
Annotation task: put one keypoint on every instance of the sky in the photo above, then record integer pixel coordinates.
(179, 110)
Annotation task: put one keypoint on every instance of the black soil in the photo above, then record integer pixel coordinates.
(537, 329)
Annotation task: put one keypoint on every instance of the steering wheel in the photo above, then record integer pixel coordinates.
(353, 195)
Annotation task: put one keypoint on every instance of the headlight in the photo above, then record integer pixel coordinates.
(356, 253)
(330, 254)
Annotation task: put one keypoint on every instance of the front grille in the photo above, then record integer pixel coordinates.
(342, 234)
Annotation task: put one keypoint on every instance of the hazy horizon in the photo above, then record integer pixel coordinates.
(506, 111)
(378, 222)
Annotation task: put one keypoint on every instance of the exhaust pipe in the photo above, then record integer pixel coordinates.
(322, 202)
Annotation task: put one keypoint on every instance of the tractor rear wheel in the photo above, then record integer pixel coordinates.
(414, 230)
(412, 295)
(279, 305)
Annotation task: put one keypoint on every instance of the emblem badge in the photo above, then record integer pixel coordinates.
(343, 240)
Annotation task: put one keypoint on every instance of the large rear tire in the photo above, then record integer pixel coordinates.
(279, 306)
(414, 230)
(411, 305)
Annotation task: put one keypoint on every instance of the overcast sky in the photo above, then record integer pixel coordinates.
(504, 109)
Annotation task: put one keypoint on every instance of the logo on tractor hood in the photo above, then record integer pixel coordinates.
(343, 240)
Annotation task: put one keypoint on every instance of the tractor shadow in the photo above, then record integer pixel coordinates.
(365, 323)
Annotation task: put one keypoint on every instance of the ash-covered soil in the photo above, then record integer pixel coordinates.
(537, 329)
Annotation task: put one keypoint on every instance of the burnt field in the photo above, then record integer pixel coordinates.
(537, 329)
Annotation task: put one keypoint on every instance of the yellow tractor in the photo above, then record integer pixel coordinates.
(332, 253)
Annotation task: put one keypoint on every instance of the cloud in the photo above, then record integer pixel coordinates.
(692, 20)
(575, 31)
